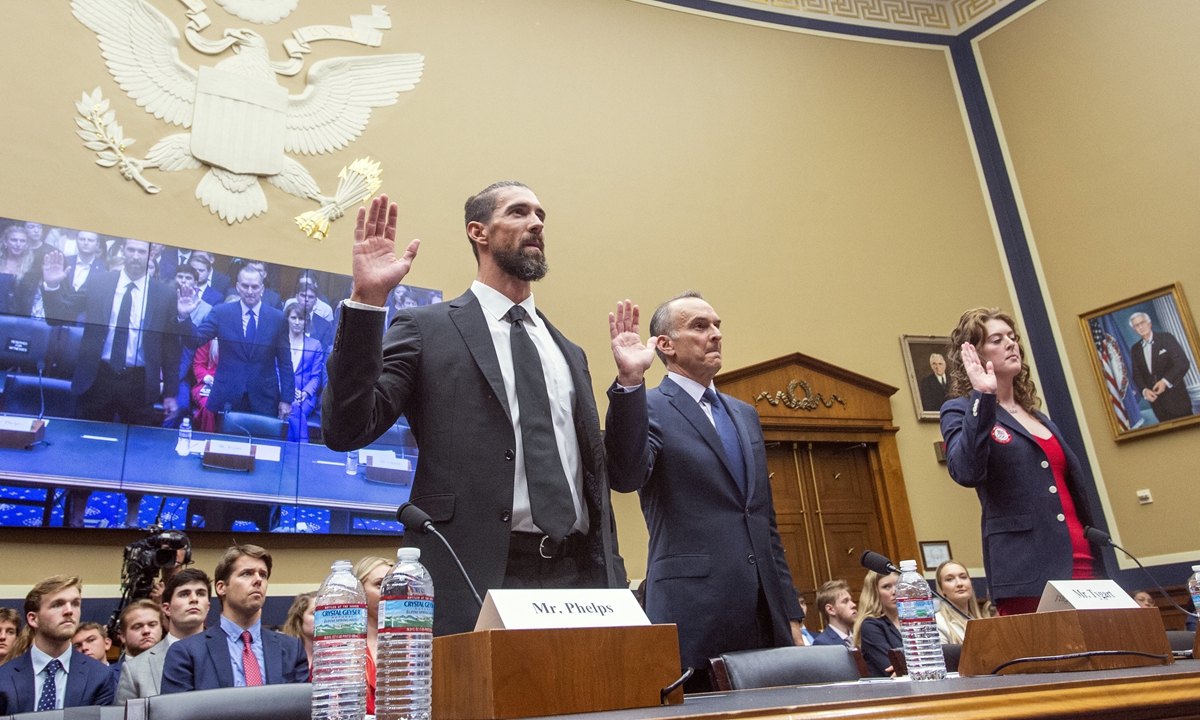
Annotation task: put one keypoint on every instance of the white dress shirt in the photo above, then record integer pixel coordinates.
(246, 317)
(82, 270)
(137, 311)
(40, 661)
(696, 391)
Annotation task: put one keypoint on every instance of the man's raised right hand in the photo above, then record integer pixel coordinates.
(54, 269)
(376, 269)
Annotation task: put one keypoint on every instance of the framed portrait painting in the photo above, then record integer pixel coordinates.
(925, 360)
(1143, 351)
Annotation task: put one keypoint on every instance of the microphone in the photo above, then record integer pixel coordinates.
(417, 519)
(1103, 539)
(41, 366)
(226, 418)
(878, 563)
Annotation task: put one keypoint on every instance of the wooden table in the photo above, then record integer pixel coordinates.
(1171, 691)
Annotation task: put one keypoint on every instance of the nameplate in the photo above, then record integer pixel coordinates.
(266, 453)
(223, 447)
(543, 609)
(1084, 595)
(383, 459)
(17, 424)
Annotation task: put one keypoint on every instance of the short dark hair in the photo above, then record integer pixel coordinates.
(480, 207)
(306, 282)
(85, 626)
(185, 577)
(201, 257)
(187, 270)
(9, 615)
(661, 323)
(144, 604)
(828, 595)
(225, 565)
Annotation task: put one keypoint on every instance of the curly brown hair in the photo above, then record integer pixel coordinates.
(972, 328)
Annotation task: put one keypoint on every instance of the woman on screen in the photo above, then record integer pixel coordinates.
(1028, 481)
(308, 362)
(19, 277)
(877, 627)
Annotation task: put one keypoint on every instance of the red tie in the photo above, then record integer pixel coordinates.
(249, 662)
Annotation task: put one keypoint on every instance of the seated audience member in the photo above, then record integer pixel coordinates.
(877, 628)
(838, 609)
(1144, 599)
(91, 640)
(308, 359)
(141, 627)
(370, 571)
(10, 628)
(185, 604)
(955, 585)
(202, 263)
(52, 675)
(204, 368)
(239, 652)
(804, 633)
(315, 325)
(299, 623)
(88, 259)
(316, 305)
(402, 299)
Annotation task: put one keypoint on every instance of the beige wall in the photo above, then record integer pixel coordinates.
(820, 191)
(1098, 104)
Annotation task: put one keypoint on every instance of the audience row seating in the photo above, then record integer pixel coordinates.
(268, 702)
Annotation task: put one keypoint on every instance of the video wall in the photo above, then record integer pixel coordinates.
(117, 343)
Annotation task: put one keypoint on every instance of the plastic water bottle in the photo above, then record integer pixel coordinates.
(339, 672)
(918, 627)
(183, 445)
(404, 661)
(352, 462)
(1194, 587)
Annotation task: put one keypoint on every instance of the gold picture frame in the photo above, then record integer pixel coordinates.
(917, 350)
(1142, 390)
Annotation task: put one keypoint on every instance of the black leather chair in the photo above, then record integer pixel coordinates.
(266, 702)
(776, 667)
(263, 427)
(114, 712)
(1181, 640)
(952, 654)
(63, 351)
(23, 396)
(23, 342)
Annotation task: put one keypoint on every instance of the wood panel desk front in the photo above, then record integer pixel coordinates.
(1171, 691)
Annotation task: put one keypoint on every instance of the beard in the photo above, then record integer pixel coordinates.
(525, 267)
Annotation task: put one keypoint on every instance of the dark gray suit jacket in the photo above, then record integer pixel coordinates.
(711, 547)
(141, 676)
(438, 367)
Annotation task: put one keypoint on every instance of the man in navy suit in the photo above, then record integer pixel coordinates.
(1159, 364)
(716, 566)
(839, 611)
(129, 355)
(52, 675)
(88, 259)
(239, 652)
(255, 372)
(211, 284)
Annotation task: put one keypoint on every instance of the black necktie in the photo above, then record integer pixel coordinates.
(729, 438)
(120, 346)
(49, 698)
(549, 495)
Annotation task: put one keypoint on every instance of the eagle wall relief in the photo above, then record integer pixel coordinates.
(243, 124)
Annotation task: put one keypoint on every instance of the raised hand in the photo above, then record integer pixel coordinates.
(632, 357)
(982, 378)
(188, 301)
(374, 264)
(54, 269)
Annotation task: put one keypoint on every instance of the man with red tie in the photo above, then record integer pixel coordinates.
(239, 652)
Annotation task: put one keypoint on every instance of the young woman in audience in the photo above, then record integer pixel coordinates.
(1029, 482)
(308, 362)
(204, 367)
(955, 585)
(19, 275)
(299, 623)
(370, 572)
(877, 627)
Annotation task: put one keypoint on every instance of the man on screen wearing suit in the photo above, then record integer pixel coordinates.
(255, 372)
(239, 652)
(511, 467)
(52, 675)
(716, 566)
(1159, 364)
(185, 603)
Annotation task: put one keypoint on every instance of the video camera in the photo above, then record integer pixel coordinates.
(141, 563)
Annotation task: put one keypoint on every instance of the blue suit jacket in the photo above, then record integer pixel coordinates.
(1025, 545)
(310, 376)
(829, 636)
(202, 662)
(711, 546)
(878, 635)
(89, 682)
(263, 370)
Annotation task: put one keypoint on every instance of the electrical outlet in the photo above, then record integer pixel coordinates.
(1144, 497)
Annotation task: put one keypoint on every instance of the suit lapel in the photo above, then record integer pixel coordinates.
(23, 684)
(158, 658)
(467, 315)
(1003, 416)
(273, 658)
(77, 680)
(218, 652)
(690, 409)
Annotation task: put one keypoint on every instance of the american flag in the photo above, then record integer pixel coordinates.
(1116, 373)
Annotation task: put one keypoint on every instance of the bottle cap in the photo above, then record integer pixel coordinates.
(340, 565)
(1196, 568)
(908, 566)
(411, 554)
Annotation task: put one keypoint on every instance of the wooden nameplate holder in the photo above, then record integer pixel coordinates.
(23, 439)
(991, 642)
(215, 460)
(388, 475)
(502, 674)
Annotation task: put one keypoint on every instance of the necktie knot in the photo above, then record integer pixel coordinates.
(53, 667)
(709, 396)
(247, 638)
(516, 314)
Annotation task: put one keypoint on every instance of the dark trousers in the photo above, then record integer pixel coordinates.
(119, 396)
(528, 570)
(763, 636)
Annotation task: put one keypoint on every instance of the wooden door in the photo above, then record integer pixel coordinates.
(827, 513)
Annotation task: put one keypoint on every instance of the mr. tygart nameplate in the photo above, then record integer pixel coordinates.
(1084, 595)
(541, 609)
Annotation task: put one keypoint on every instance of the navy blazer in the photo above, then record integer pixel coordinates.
(877, 636)
(89, 682)
(202, 662)
(829, 636)
(711, 547)
(263, 370)
(1025, 542)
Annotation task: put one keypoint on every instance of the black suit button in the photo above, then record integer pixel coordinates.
(505, 516)
(509, 454)
(751, 559)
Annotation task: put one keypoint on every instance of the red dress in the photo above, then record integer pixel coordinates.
(370, 683)
(1081, 550)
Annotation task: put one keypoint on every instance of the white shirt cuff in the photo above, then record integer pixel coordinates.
(363, 306)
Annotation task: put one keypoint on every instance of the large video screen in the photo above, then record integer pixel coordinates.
(124, 346)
